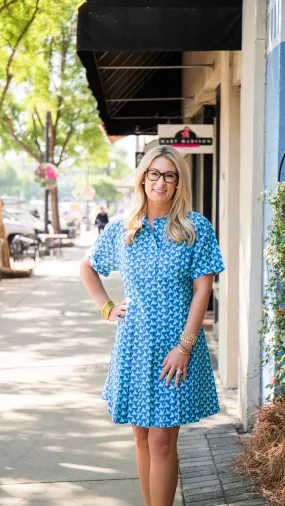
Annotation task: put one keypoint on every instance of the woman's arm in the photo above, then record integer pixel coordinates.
(96, 290)
(202, 288)
(93, 283)
(175, 361)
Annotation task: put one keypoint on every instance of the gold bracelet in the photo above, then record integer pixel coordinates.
(107, 308)
(184, 347)
(106, 312)
(106, 305)
(188, 335)
(188, 338)
(183, 352)
(188, 341)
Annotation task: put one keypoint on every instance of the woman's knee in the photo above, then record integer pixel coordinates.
(141, 437)
(162, 442)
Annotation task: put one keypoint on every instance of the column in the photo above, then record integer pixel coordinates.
(251, 212)
(229, 224)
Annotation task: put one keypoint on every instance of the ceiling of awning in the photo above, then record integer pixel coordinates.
(133, 54)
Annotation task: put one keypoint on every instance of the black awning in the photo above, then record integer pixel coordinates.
(127, 49)
(185, 25)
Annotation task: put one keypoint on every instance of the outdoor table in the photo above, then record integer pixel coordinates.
(53, 241)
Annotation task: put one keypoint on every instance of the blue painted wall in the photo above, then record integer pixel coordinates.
(274, 130)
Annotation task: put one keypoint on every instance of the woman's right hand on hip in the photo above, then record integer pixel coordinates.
(118, 312)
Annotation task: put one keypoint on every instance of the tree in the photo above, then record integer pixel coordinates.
(6, 4)
(91, 173)
(118, 163)
(14, 26)
(50, 78)
(17, 179)
(5, 248)
(105, 188)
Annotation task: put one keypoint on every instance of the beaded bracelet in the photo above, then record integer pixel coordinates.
(107, 308)
(188, 338)
(188, 335)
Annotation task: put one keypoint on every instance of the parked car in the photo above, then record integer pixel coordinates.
(32, 214)
(15, 202)
(13, 227)
(26, 217)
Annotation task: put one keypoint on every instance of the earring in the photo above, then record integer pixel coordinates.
(143, 182)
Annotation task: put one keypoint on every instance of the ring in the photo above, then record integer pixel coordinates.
(179, 371)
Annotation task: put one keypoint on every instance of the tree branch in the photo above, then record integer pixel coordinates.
(58, 112)
(69, 134)
(21, 143)
(51, 140)
(35, 139)
(6, 5)
(10, 60)
(50, 55)
(39, 119)
(4, 92)
(64, 49)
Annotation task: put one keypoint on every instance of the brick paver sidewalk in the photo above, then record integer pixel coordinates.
(206, 451)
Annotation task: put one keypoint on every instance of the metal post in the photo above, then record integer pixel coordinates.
(46, 159)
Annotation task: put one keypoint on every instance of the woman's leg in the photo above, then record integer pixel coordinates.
(143, 461)
(163, 465)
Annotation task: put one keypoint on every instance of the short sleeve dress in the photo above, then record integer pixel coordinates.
(158, 276)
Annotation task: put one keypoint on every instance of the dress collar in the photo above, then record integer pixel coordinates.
(163, 219)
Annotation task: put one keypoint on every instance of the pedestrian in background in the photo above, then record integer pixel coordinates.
(101, 220)
(160, 374)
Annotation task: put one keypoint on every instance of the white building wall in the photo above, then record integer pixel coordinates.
(251, 213)
(200, 83)
(242, 79)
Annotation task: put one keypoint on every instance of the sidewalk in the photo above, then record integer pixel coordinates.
(58, 445)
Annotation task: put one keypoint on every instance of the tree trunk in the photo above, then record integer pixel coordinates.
(5, 246)
(54, 210)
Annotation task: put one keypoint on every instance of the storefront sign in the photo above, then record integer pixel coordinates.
(194, 139)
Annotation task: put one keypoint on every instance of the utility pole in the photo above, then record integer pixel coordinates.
(46, 159)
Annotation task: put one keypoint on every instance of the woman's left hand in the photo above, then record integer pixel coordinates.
(173, 362)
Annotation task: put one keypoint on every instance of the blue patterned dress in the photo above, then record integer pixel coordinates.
(158, 276)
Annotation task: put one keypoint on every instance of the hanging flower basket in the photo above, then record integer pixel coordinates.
(46, 175)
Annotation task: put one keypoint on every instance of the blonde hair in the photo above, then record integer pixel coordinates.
(179, 227)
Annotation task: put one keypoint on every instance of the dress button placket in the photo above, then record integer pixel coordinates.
(155, 245)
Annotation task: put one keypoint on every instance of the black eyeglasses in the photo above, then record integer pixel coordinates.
(168, 177)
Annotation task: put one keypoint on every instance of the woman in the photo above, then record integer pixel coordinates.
(160, 374)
